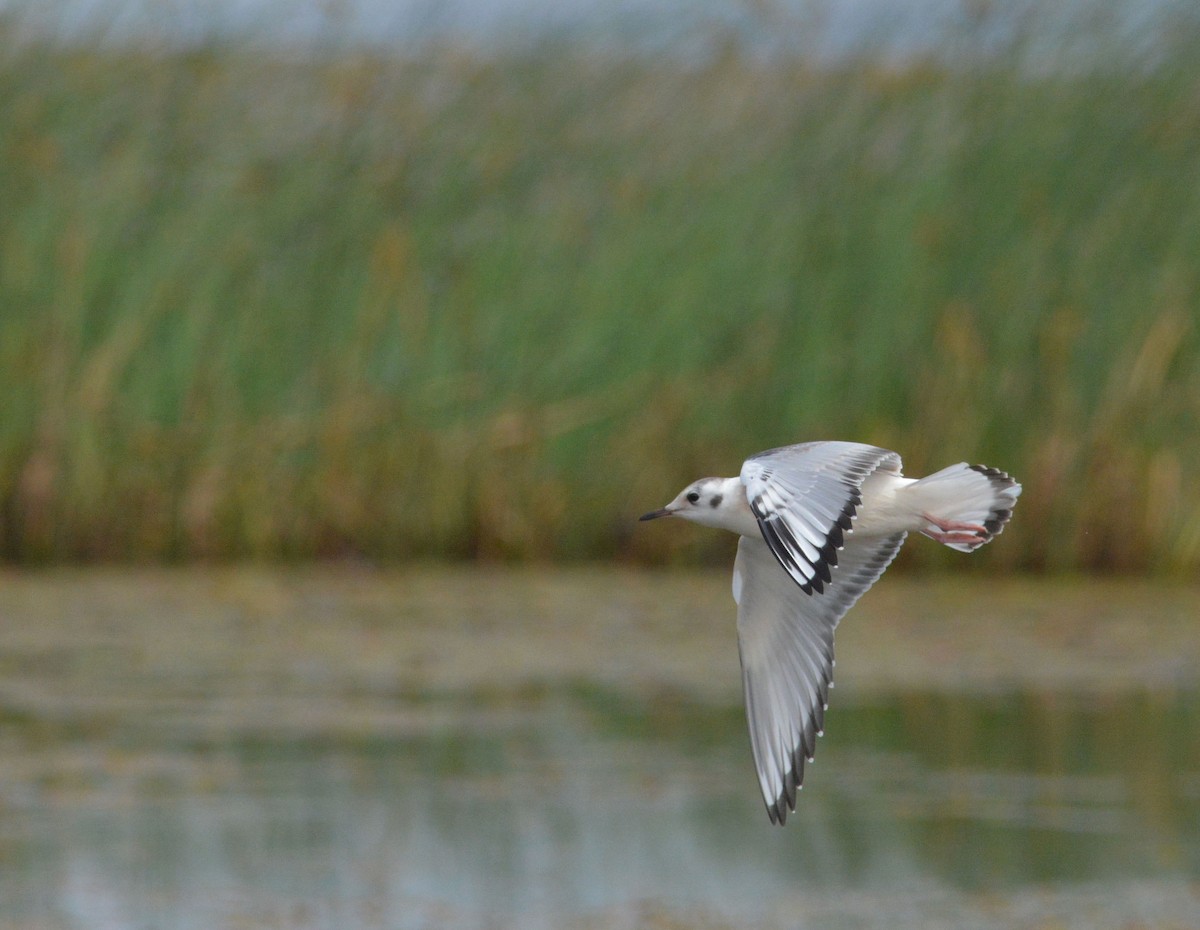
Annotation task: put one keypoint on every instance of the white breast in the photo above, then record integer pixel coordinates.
(736, 514)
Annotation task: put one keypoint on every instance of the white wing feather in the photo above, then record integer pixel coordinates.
(805, 498)
(785, 639)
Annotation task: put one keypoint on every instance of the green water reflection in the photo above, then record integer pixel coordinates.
(578, 802)
(144, 795)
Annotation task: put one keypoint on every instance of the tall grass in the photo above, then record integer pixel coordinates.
(464, 306)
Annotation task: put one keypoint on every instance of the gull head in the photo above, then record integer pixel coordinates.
(709, 501)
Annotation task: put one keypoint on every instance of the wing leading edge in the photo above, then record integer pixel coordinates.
(785, 641)
(805, 498)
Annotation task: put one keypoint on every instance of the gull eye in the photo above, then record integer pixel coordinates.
(692, 497)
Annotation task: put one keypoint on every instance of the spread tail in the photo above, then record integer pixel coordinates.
(965, 505)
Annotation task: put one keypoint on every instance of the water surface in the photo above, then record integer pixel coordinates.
(340, 748)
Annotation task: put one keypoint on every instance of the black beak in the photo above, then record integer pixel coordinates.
(655, 514)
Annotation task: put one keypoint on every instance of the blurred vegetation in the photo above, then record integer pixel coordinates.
(259, 305)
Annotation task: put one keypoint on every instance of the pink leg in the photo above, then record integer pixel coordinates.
(955, 532)
(948, 526)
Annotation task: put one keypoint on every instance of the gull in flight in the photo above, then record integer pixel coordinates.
(818, 524)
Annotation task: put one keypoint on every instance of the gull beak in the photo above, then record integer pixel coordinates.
(655, 514)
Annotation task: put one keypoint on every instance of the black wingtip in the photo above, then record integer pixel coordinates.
(779, 809)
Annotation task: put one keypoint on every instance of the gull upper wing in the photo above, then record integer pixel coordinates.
(805, 498)
(785, 640)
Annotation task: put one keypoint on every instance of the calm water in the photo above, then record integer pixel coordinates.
(458, 749)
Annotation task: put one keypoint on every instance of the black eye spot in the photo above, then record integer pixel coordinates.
(692, 497)
(715, 501)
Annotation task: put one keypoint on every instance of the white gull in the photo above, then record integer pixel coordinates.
(819, 522)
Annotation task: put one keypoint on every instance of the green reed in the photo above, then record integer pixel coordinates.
(252, 305)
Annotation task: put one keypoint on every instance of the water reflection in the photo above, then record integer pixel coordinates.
(583, 806)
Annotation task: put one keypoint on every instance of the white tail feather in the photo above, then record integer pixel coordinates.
(965, 505)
